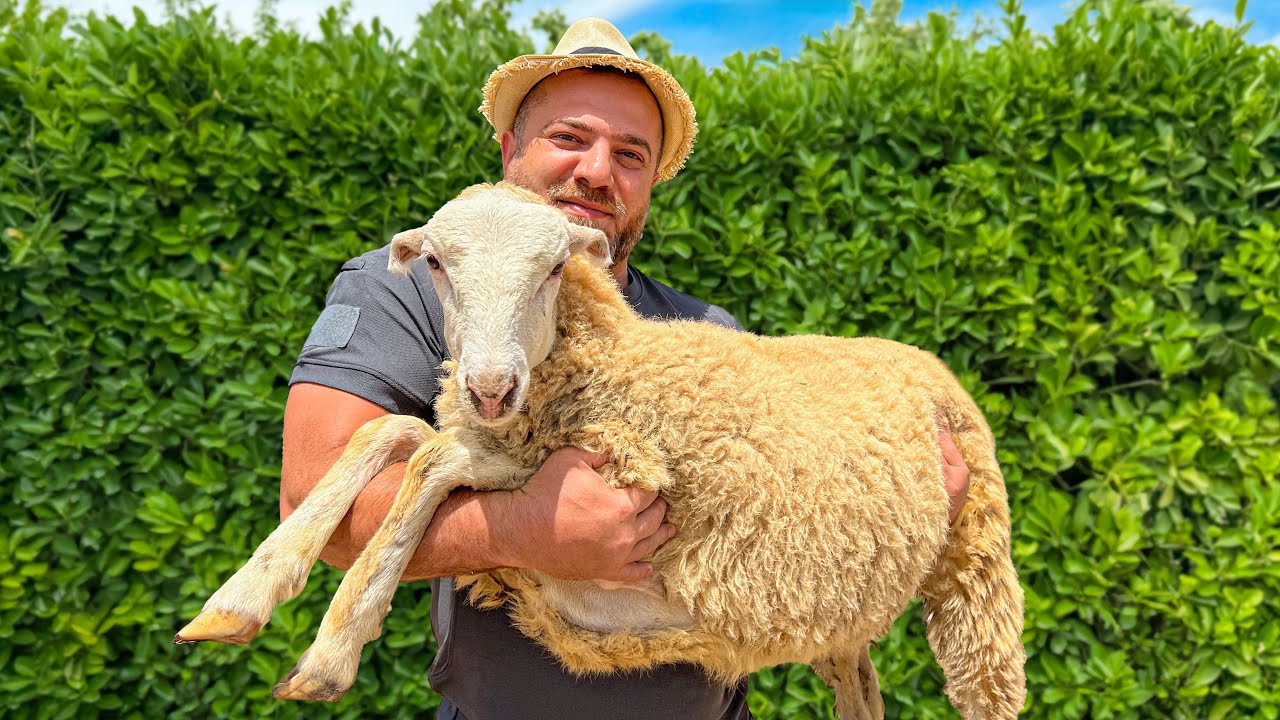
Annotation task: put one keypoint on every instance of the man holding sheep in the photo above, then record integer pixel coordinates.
(592, 128)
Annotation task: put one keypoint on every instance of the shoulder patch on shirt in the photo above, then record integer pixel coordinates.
(334, 327)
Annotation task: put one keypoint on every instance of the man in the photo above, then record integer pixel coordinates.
(592, 128)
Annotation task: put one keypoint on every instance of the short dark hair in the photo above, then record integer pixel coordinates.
(536, 98)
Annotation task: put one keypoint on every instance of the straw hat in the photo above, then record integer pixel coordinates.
(592, 41)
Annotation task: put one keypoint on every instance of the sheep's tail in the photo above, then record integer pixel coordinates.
(857, 687)
(972, 600)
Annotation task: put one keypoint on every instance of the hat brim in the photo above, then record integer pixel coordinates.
(511, 82)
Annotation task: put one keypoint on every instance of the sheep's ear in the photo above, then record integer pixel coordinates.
(592, 242)
(405, 248)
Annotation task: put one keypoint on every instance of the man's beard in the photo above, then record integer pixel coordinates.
(630, 220)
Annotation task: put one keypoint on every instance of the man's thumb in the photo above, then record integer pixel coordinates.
(596, 460)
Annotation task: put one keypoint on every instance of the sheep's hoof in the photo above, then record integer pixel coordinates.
(221, 626)
(308, 684)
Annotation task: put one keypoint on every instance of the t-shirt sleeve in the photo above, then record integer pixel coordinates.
(379, 338)
(720, 316)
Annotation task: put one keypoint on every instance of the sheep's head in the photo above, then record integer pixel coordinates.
(496, 256)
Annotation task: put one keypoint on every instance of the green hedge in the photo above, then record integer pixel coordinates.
(1084, 226)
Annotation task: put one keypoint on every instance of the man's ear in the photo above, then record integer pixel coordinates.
(591, 242)
(405, 248)
(507, 141)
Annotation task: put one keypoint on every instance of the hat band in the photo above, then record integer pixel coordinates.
(594, 50)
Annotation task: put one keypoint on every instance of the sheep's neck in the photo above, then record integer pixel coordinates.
(592, 319)
(590, 304)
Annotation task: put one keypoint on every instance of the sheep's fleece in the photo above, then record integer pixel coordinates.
(803, 476)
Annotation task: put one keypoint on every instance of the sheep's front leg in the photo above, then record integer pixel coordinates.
(328, 668)
(279, 567)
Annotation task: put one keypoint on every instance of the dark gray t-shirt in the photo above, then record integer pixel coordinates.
(380, 337)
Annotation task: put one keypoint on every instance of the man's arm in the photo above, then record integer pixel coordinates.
(565, 521)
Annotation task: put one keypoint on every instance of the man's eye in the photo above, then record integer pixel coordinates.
(433, 262)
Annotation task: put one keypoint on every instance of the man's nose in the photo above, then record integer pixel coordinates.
(595, 166)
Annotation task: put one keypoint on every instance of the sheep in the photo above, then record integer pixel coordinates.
(802, 474)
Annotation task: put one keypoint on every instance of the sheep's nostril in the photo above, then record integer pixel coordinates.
(487, 391)
(490, 401)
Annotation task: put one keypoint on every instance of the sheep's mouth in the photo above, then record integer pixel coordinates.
(493, 411)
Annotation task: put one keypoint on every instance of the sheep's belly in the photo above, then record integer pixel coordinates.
(638, 607)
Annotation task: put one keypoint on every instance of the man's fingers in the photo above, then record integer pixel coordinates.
(955, 474)
(635, 572)
(950, 453)
(596, 460)
(642, 499)
(646, 546)
(648, 519)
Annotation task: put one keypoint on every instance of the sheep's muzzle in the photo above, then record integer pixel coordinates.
(490, 400)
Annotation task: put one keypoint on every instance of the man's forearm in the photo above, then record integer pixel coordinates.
(566, 521)
(459, 540)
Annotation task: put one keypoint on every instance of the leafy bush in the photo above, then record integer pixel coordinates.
(1084, 226)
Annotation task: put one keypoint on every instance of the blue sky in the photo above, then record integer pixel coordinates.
(709, 29)
(712, 29)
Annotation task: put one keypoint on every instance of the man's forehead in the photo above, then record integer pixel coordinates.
(623, 101)
(603, 74)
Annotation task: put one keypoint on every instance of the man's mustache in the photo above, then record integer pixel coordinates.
(599, 198)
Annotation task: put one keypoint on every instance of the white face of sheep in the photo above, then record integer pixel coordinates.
(496, 262)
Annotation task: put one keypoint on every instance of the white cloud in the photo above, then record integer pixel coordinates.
(400, 17)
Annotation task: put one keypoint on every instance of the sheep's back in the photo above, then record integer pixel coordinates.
(806, 479)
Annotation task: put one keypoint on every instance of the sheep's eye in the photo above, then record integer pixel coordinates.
(433, 262)
(559, 268)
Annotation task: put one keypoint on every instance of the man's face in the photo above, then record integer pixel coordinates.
(590, 144)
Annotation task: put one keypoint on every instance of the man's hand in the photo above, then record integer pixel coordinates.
(572, 525)
(954, 472)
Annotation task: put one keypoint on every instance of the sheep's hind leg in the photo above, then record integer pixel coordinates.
(856, 684)
(279, 567)
(973, 603)
(328, 668)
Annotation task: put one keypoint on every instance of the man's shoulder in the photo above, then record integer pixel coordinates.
(368, 280)
(379, 337)
(373, 263)
(655, 299)
(371, 271)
